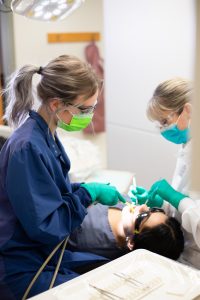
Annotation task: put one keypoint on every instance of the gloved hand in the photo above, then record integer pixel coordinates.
(103, 193)
(163, 189)
(142, 196)
(140, 193)
(157, 201)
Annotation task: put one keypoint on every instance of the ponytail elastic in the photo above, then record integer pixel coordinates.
(40, 70)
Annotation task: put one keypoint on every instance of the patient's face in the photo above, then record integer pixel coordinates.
(129, 219)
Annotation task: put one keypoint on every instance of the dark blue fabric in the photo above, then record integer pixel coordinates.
(39, 206)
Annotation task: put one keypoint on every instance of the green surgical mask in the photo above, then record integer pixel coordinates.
(78, 122)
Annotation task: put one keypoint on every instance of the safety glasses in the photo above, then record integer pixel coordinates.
(84, 110)
(145, 215)
(166, 121)
(87, 109)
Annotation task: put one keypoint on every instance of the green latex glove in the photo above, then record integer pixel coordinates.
(142, 196)
(157, 201)
(139, 195)
(103, 193)
(163, 189)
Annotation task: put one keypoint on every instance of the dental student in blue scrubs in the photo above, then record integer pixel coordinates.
(39, 206)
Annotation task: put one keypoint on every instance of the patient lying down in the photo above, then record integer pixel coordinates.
(114, 231)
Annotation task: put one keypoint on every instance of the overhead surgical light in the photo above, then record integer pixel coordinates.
(45, 10)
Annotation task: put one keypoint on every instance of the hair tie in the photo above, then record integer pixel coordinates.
(40, 70)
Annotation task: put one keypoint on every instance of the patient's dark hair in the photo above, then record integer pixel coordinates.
(165, 239)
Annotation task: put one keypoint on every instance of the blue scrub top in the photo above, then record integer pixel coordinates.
(39, 206)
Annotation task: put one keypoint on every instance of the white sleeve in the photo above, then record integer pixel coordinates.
(190, 211)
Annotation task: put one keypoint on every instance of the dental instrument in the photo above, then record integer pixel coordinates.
(133, 187)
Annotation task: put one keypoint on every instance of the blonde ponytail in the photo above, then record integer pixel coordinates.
(19, 95)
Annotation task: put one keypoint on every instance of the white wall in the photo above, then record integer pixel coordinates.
(146, 42)
(31, 45)
(31, 36)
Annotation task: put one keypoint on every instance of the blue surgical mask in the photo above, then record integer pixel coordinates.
(173, 134)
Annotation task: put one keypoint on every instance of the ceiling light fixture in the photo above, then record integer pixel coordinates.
(45, 10)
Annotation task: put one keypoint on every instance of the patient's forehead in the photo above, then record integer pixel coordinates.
(154, 219)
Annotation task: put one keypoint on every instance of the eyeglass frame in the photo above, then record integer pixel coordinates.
(85, 110)
(141, 216)
(170, 116)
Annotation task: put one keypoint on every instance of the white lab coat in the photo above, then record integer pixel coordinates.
(188, 210)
